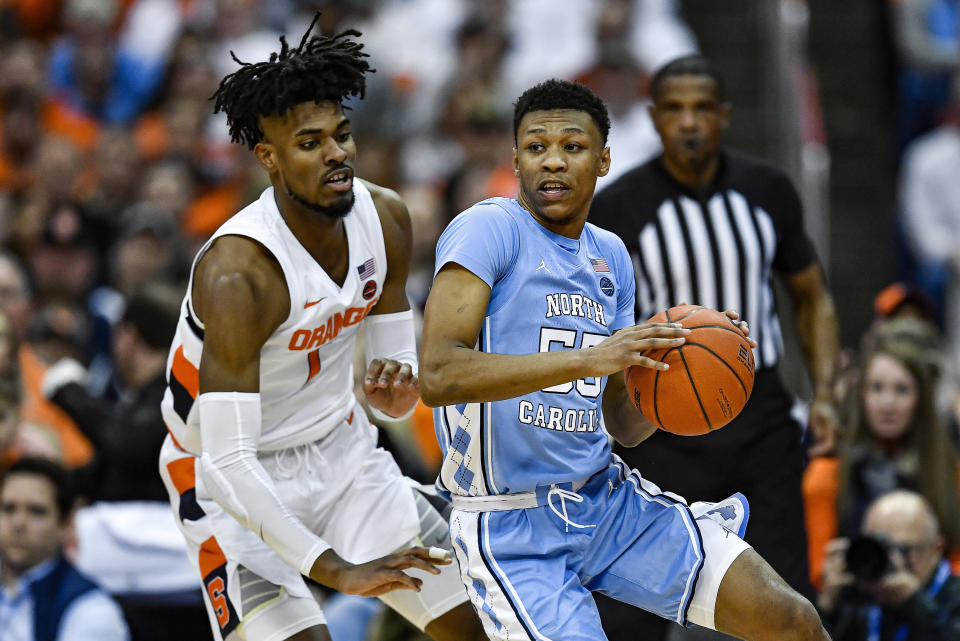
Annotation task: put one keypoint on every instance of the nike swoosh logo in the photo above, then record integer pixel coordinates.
(312, 303)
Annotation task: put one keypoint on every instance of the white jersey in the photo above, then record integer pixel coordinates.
(306, 366)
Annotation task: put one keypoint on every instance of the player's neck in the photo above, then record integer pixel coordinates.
(324, 238)
(692, 175)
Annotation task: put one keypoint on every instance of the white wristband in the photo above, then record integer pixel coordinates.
(391, 337)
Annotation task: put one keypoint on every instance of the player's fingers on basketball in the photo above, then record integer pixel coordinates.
(658, 343)
(658, 330)
(646, 326)
(732, 314)
(643, 361)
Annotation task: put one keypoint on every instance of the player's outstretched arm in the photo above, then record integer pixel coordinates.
(380, 575)
(241, 297)
(454, 372)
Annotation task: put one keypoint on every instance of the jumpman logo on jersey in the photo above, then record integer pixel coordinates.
(543, 266)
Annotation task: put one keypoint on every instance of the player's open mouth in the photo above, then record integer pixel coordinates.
(552, 190)
(341, 180)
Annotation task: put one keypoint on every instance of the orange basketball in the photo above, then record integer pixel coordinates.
(710, 376)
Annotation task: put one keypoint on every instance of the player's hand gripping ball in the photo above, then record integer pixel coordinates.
(710, 376)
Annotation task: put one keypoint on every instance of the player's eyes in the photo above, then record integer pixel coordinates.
(308, 144)
(573, 146)
(535, 146)
(344, 137)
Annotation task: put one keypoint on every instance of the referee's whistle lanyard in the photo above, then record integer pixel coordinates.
(875, 614)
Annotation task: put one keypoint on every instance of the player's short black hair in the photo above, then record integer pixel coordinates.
(561, 94)
(50, 470)
(691, 65)
(320, 69)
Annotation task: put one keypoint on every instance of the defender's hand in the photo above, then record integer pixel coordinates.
(629, 345)
(378, 576)
(391, 387)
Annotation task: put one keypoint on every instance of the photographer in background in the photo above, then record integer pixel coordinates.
(891, 583)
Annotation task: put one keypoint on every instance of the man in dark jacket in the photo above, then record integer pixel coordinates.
(43, 597)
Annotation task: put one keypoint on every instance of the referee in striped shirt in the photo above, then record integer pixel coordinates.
(708, 226)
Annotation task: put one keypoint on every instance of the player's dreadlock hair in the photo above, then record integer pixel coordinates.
(319, 69)
(561, 94)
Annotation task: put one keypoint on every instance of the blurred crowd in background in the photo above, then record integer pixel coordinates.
(114, 170)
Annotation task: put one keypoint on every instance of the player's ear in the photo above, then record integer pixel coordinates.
(516, 163)
(604, 162)
(266, 155)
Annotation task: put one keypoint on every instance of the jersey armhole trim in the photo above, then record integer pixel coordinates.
(203, 252)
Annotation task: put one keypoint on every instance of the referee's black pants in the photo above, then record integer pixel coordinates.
(759, 454)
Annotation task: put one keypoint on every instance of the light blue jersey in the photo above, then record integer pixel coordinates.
(548, 292)
(543, 514)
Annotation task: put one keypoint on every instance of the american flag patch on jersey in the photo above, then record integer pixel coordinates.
(367, 269)
(600, 265)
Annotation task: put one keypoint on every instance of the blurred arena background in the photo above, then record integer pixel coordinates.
(114, 170)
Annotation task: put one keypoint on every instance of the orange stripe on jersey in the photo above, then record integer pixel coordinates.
(174, 438)
(211, 557)
(186, 373)
(183, 474)
(313, 358)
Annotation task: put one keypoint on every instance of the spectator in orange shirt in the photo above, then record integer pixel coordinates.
(63, 439)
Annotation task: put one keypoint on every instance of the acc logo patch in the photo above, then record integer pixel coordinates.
(369, 290)
(606, 286)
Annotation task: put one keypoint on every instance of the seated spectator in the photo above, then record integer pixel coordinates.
(17, 438)
(892, 581)
(929, 208)
(125, 426)
(893, 440)
(94, 74)
(45, 420)
(926, 37)
(43, 597)
(128, 539)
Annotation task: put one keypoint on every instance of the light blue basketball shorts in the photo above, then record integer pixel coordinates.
(530, 561)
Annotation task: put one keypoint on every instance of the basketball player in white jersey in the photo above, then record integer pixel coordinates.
(271, 464)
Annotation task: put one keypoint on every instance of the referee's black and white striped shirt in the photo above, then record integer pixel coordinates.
(715, 247)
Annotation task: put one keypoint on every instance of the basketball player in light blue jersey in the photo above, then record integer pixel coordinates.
(531, 310)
